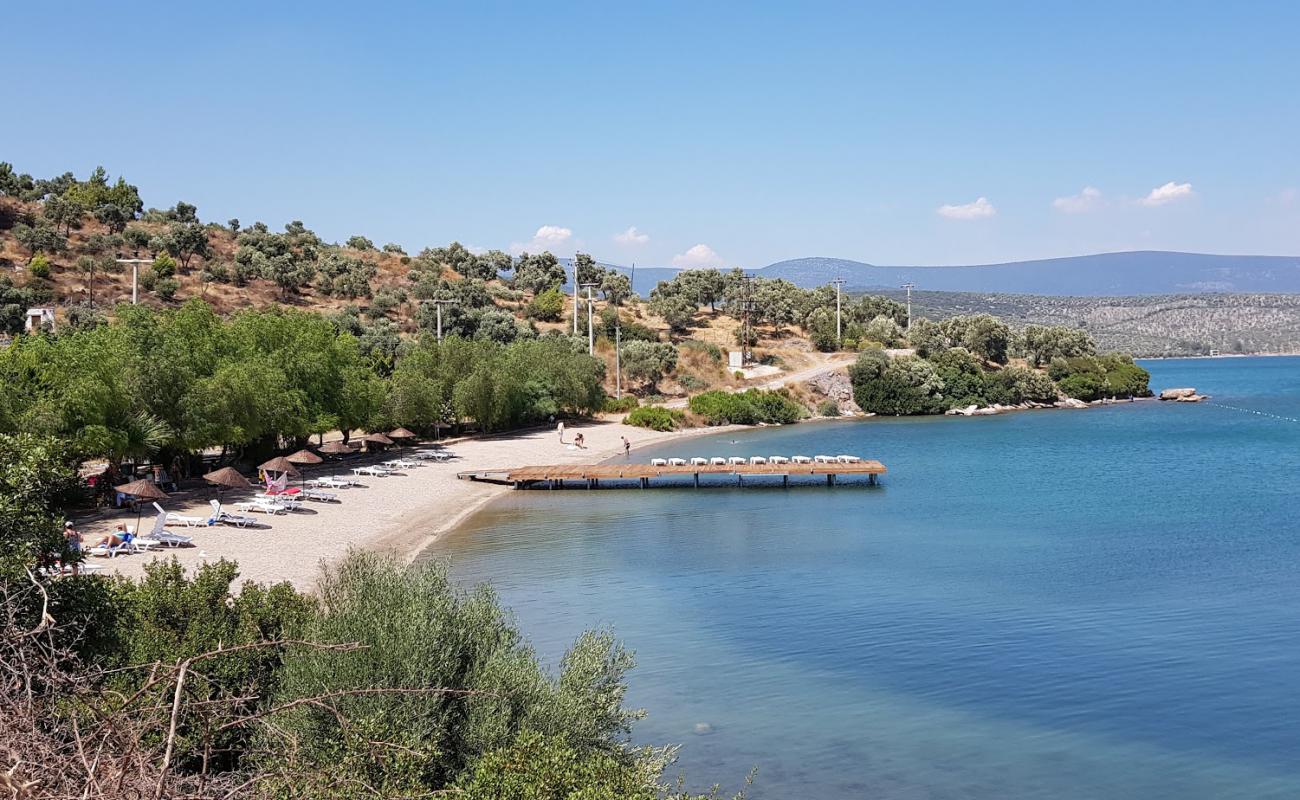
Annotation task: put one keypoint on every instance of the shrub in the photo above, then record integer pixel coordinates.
(360, 243)
(164, 266)
(547, 306)
(620, 405)
(709, 349)
(655, 418)
(746, 408)
(828, 408)
(39, 266)
(421, 633)
(166, 288)
(691, 383)
(901, 386)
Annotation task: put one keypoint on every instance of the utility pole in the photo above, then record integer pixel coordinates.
(135, 275)
(591, 327)
(909, 287)
(575, 295)
(439, 304)
(746, 307)
(839, 336)
(618, 356)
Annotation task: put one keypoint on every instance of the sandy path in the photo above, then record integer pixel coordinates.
(828, 362)
(400, 513)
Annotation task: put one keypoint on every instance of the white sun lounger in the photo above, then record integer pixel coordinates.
(801, 459)
(658, 462)
(162, 536)
(718, 461)
(757, 460)
(333, 483)
(320, 495)
(676, 462)
(848, 459)
(264, 506)
(291, 502)
(699, 462)
(402, 463)
(220, 516)
(778, 460)
(734, 460)
(823, 459)
(374, 472)
(181, 519)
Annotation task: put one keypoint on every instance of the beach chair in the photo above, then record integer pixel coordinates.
(320, 495)
(757, 460)
(801, 459)
(374, 472)
(848, 459)
(162, 536)
(699, 462)
(718, 461)
(823, 459)
(778, 460)
(263, 505)
(676, 462)
(180, 519)
(658, 462)
(735, 461)
(224, 517)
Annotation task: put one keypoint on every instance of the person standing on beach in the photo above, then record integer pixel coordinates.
(560, 428)
(579, 440)
(627, 447)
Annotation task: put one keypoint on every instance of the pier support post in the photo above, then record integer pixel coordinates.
(785, 481)
(830, 480)
(697, 480)
(871, 479)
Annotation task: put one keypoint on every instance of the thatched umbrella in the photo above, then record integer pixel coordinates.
(335, 449)
(439, 427)
(226, 478)
(378, 438)
(141, 490)
(279, 464)
(303, 457)
(403, 436)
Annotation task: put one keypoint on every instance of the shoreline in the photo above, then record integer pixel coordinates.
(402, 514)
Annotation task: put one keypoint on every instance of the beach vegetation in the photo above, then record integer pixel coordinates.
(655, 418)
(749, 407)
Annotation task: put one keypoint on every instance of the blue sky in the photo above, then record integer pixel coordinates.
(718, 133)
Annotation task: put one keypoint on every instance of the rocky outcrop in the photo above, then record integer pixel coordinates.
(1182, 395)
(835, 385)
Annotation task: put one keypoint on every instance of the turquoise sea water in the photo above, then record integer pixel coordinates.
(1058, 604)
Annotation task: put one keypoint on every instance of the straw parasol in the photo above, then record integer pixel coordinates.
(141, 490)
(403, 435)
(335, 449)
(279, 464)
(226, 478)
(378, 438)
(303, 457)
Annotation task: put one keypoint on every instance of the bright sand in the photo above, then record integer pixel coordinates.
(400, 513)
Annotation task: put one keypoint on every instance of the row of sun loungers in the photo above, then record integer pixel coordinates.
(719, 461)
(272, 502)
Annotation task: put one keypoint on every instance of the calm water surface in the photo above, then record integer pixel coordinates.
(1068, 604)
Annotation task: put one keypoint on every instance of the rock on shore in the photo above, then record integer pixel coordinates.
(1182, 395)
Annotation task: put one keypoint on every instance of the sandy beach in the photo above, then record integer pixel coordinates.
(401, 513)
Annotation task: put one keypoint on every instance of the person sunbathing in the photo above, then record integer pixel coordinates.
(116, 538)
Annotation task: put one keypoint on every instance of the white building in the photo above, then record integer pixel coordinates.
(39, 318)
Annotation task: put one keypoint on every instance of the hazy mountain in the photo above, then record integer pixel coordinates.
(1134, 273)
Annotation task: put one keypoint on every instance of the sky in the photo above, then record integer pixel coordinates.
(688, 134)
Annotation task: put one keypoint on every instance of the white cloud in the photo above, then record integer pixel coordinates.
(980, 209)
(632, 236)
(1084, 201)
(1168, 193)
(698, 257)
(548, 237)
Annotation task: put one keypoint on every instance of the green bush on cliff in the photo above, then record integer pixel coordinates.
(655, 418)
(746, 408)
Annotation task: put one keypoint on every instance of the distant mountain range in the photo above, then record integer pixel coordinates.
(1144, 272)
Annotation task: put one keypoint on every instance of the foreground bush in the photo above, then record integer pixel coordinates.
(746, 408)
(655, 418)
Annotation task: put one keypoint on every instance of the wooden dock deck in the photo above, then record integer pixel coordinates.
(590, 475)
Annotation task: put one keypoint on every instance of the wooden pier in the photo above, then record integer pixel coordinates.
(589, 476)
